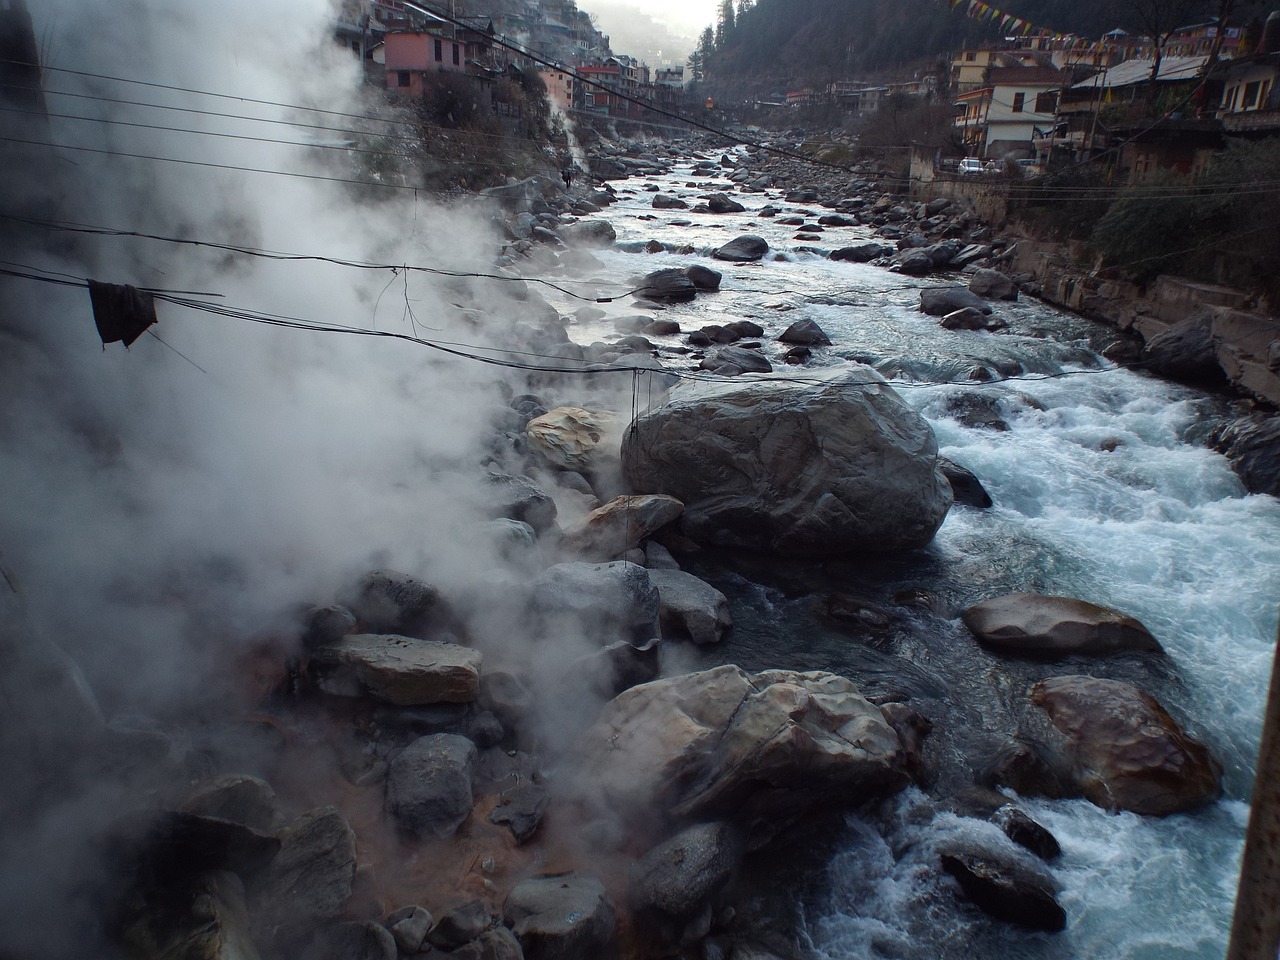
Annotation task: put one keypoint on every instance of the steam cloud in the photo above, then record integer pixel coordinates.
(164, 507)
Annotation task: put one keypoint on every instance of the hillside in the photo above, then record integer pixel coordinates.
(798, 40)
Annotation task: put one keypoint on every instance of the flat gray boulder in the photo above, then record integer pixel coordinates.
(993, 285)
(589, 233)
(940, 301)
(562, 916)
(429, 785)
(603, 600)
(689, 608)
(721, 203)
(572, 438)
(743, 249)
(860, 252)
(404, 671)
(1032, 625)
(793, 467)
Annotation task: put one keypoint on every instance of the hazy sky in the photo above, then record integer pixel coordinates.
(683, 16)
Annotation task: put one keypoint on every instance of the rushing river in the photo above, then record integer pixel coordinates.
(1099, 494)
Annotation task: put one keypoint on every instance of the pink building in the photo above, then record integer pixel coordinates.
(412, 53)
(559, 87)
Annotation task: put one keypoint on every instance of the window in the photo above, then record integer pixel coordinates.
(1018, 100)
(456, 58)
(1045, 102)
(970, 56)
(439, 51)
(1250, 99)
(402, 78)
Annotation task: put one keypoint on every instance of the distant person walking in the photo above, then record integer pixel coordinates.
(567, 176)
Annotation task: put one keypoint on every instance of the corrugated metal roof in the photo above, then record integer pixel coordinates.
(1139, 71)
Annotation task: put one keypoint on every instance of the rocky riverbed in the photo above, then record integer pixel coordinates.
(740, 602)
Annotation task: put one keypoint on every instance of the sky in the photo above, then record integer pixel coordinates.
(688, 17)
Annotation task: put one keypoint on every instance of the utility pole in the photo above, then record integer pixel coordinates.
(1255, 929)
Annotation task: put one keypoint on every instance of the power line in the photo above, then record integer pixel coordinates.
(71, 227)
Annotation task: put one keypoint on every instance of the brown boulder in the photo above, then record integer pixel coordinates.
(1125, 751)
(611, 530)
(723, 741)
(1032, 625)
(400, 670)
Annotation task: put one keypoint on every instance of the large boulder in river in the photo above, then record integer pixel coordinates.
(834, 463)
(993, 285)
(720, 203)
(1124, 750)
(674, 882)
(310, 879)
(404, 671)
(743, 249)
(1007, 886)
(667, 286)
(860, 252)
(619, 525)
(759, 748)
(1186, 352)
(806, 333)
(589, 233)
(1032, 625)
(940, 301)
(704, 278)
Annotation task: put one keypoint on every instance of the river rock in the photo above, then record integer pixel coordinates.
(1252, 444)
(690, 608)
(310, 879)
(460, 925)
(760, 748)
(562, 916)
(572, 438)
(206, 920)
(675, 881)
(720, 203)
(395, 669)
(745, 248)
(1032, 625)
(667, 286)
(663, 202)
(391, 602)
(410, 926)
(914, 263)
(1008, 888)
(805, 333)
(859, 253)
(353, 940)
(597, 599)
(793, 466)
(1025, 832)
(1186, 352)
(966, 488)
(327, 624)
(620, 525)
(238, 798)
(743, 358)
(589, 233)
(993, 285)
(940, 301)
(704, 278)
(1124, 749)
(966, 318)
(519, 498)
(429, 785)
(521, 808)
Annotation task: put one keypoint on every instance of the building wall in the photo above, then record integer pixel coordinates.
(559, 88)
(410, 55)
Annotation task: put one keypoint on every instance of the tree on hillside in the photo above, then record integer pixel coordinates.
(725, 25)
(706, 47)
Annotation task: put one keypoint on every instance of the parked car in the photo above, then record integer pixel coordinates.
(970, 165)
